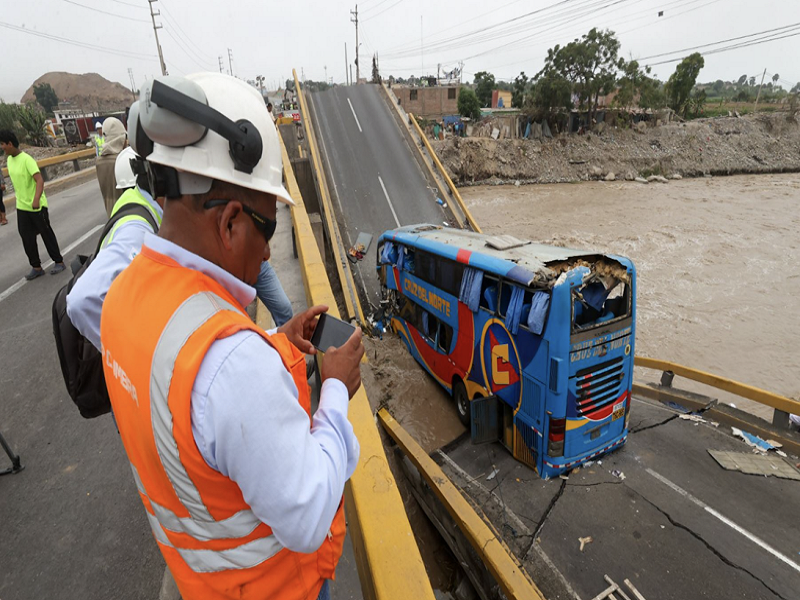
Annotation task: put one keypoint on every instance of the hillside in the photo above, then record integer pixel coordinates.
(89, 91)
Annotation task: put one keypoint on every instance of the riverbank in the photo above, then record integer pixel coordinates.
(718, 263)
(722, 146)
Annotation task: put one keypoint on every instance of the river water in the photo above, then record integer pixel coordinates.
(718, 263)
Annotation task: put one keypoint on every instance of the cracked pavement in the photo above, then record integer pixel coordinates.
(677, 525)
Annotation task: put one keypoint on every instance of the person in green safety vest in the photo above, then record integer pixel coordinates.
(99, 140)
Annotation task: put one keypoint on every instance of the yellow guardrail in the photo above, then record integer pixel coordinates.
(61, 158)
(750, 392)
(508, 573)
(343, 268)
(472, 222)
(389, 563)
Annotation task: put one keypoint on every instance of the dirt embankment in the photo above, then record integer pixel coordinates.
(722, 146)
(88, 91)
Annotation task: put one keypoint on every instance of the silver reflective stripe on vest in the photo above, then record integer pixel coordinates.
(241, 524)
(188, 318)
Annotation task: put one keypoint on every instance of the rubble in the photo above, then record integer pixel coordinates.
(763, 143)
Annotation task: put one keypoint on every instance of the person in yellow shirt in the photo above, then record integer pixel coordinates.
(32, 215)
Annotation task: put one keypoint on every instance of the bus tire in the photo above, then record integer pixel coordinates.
(462, 403)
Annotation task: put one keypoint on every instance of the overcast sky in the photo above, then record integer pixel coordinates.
(269, 38)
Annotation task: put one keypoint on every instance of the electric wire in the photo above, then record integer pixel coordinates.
(110, 14)
(186, 37)
(387, 9)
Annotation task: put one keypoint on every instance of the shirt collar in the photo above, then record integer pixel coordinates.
(153, 204)
(243, 293)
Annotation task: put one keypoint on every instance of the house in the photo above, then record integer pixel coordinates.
(429, 102)
(501, 99)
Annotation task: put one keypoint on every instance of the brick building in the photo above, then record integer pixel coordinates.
(428, 102)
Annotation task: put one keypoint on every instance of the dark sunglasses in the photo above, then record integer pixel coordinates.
(265, 225)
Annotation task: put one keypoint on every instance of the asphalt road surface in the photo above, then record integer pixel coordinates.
(71, 523)
(374, 176)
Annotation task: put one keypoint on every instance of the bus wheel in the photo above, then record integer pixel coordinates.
(462, 403)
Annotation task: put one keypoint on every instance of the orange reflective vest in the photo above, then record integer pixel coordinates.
(158, 321)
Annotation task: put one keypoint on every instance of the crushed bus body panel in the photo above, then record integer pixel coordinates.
(535, 342)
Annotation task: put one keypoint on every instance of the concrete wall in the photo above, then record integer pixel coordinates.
(430, 102)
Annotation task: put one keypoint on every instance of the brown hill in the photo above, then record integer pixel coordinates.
(89, 91)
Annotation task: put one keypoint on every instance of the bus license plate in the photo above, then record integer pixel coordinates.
(619, 410)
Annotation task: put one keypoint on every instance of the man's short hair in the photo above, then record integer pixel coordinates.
(269, 104)
(7, 136)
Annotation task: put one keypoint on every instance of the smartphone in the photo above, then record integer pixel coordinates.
(331, 332)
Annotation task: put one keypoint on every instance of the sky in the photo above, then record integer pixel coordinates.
(270, 38)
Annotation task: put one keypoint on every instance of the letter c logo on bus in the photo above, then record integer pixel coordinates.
(500, 361)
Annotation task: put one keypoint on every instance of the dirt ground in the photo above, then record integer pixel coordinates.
(722, 146)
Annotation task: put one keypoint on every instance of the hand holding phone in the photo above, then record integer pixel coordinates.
(331, 332)
(342, 362)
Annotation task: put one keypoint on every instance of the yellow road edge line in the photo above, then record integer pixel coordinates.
(493, 552)
(61, 158)
(459, 219)
(342, 264)
(389, 563)
(723, 383)
(473, 223)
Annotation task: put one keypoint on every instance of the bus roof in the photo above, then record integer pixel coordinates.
(521, 261)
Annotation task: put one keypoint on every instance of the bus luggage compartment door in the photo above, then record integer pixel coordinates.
(486, 419)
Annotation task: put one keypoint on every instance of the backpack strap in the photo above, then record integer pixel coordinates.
(128, 209)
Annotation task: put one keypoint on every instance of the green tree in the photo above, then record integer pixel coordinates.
(698, 102)
(519, 89)
(742, 80)
(468, 104)
(46, 97)
(681, 82)
(775, 78)
(718, 87)
(589, 63)
(8, 117)
(484, 86)
(551, 93)
(752, 81)
(636, 86)
(32, 119)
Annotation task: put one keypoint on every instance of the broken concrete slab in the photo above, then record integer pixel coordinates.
(755, 464)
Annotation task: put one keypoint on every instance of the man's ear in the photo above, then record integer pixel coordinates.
(228, 221)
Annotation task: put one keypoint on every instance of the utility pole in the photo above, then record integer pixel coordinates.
(460, 70)
(354, 19)
(326, 73)
(221, 67)
(421, 52)
(755, 107)
(346, 65)
(153, 16)
(133, 83)
(230, 60)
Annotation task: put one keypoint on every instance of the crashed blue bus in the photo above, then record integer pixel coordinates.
(535, 343)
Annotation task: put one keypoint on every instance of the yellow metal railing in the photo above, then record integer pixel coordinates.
(776, 401)
(508, 573)
(61, 158)
(389, 563)
(456, 194)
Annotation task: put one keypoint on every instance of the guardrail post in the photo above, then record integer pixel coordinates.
(781, 419)
(45, 177)
(666, 379)
(76, 165)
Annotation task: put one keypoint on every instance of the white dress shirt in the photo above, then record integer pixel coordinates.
(85, 300)
(248, 425)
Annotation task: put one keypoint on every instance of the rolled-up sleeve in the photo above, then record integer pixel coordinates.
(85, 300)
(249, 426)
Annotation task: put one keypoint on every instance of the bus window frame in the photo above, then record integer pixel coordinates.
(577, 330)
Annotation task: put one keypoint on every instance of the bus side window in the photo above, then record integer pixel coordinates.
(489, 292)
(409, 264)
(445, 337)
(506, 290)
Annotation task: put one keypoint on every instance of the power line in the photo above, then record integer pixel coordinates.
(110, 14)
(731, 47)
(176, 24)
(55, 38)
(373, 7)
(204, 66)
(383, 11)
(128, 4)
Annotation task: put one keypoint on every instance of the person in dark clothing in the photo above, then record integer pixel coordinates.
(32, 215)
(3, 220)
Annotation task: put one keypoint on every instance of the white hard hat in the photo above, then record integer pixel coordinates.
(98, 125)
(123, 172)
(209, 126)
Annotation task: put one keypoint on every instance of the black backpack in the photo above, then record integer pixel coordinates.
(81, 362)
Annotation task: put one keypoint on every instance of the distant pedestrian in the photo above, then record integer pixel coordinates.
(32, 216)
(99, 140)
(270, 109)
(115, 140)
(3, 220)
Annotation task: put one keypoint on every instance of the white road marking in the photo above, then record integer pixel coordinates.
(385, 193)
(354, 115)
(49, 263)
(738, 528)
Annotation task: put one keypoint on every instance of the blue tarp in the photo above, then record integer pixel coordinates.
(514, 311)
(401, 256)
(425, 323)
(595, 295)
(389, 253)
(451, 119)
(471, 288)
(538, 314)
